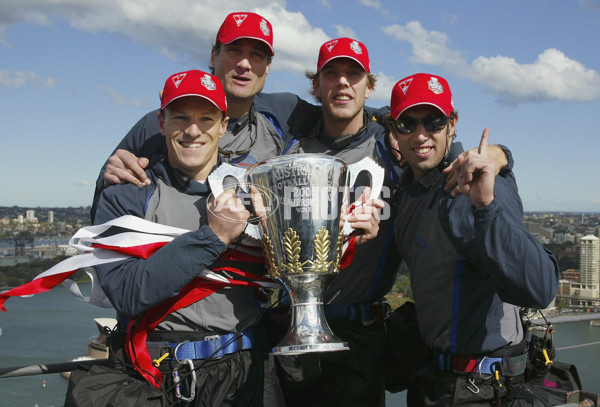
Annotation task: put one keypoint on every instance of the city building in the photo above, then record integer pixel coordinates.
(570, 275)
(589, 261)
(586, 292)
(542, 234)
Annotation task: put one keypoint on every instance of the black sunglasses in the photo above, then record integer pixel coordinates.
(407, 124)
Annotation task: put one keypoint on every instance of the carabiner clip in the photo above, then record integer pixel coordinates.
(177, 381)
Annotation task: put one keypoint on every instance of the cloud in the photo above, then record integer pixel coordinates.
(371, 3)
(552, 76)
(343, 31)
(383, 88)
(375, 4)
(429, 47)
(120, 99)
(16, 79)
(589, 5)
(179, 30)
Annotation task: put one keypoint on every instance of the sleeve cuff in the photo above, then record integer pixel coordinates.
(511, 162)
(487, 211)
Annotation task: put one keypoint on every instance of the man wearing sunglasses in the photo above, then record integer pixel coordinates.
(472, 262)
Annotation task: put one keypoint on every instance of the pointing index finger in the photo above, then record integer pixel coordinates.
(483, 144)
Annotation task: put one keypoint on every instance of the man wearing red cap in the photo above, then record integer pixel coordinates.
(241, 59)
(184, 324)
(472, 262)
(354, 301)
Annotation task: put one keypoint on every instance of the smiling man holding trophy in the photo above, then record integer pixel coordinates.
(354, 301)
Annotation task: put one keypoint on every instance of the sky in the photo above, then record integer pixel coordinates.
(75, 75)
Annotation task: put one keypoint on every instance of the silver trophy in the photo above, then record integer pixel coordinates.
(300, 199)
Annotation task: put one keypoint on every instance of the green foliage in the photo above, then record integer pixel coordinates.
(12, 276)
(566, 254)
(402, 290)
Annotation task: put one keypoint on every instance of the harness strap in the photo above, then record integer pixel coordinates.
(508, 365)
(214, 346)
(138, 328)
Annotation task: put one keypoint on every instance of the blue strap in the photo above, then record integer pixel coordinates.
(445, 362)
(485, 365)
(488, 365)
(213, 347)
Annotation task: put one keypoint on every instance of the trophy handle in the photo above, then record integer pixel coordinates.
(376, 174)
(216, 179)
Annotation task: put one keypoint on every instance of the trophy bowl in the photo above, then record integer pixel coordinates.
(300, 198)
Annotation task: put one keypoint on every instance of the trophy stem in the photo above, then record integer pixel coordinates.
(309, 331)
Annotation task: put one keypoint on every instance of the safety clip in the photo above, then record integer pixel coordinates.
(177, 381)
(548, 360)
(157, 362)
(472, 387)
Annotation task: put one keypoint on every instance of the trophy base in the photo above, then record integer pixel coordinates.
(308, 348)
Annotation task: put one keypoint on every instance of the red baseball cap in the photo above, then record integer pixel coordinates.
(344, 48)
(194, 83)
(421, 89)
(246, 25)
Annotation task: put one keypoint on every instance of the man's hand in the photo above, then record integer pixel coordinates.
(476, 173)
(227, 216)
(495, 153)
(394, 147)
(364, 215)
(124, 167)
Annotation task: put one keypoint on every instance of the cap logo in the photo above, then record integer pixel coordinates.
(330, 45)
(178, 79)
(265, 28)
(208, 83)
(435, 86)
(405, 84)
(239, 18)
(354, 46)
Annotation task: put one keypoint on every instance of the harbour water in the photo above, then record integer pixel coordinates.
(54, 327)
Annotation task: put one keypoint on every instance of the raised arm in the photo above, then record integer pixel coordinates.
(487, 228)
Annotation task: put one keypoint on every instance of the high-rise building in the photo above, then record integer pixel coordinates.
(589, 263)
(50, 216)
(30, 215)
